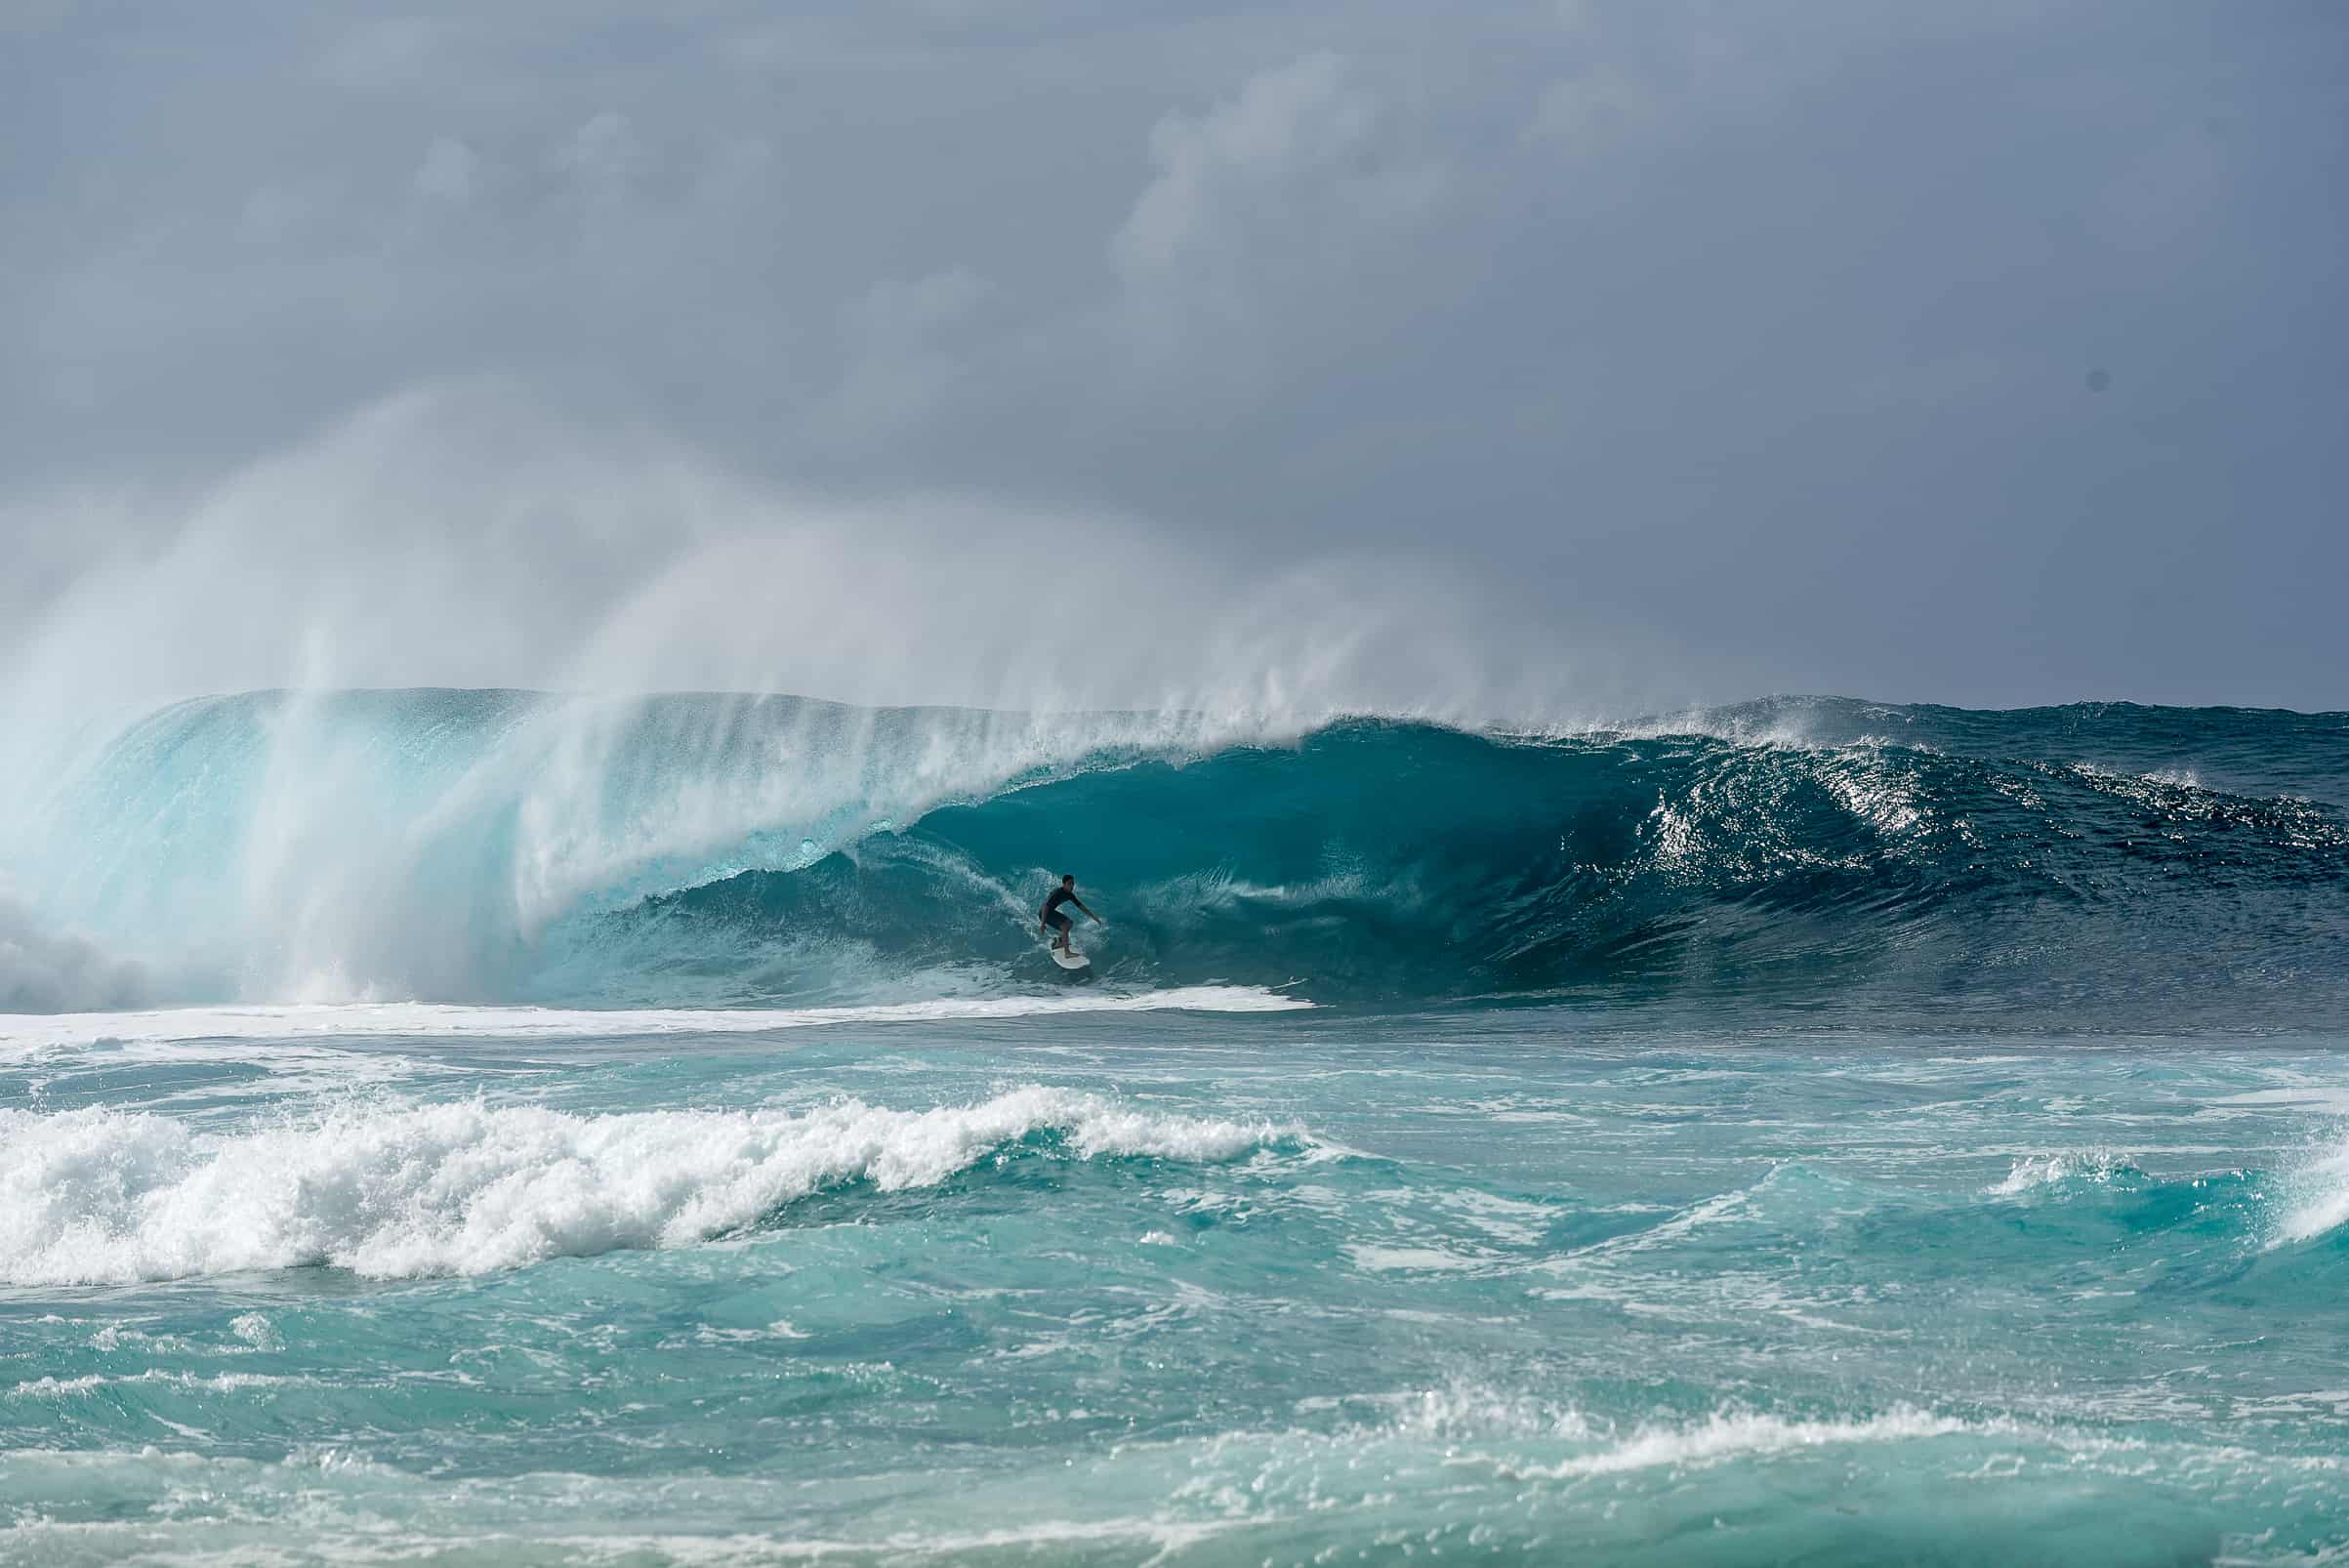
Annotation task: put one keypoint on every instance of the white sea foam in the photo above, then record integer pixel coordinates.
(2317, 1199)
(2050, 1170)
(1464, 1409)
(57, 1388)
(1888, 798)
(96, 1196)
(1732, 1435)
(24, 1033)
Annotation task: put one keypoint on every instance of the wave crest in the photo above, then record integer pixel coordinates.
(92, 1197)
(2106, 867)
(2316, 1199)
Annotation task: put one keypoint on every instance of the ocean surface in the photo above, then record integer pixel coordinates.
(481, 1127)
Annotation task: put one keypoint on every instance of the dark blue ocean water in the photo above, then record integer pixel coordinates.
(476, 1127)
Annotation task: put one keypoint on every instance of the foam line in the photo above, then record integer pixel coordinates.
(96, 1196)
(434, 1020)
(1728, 1434)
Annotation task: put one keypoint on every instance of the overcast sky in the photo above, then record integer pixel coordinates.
(1988, 353)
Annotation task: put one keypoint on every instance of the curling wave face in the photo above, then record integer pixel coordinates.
(2087, 865)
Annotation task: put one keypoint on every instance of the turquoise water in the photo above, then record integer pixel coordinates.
(1718, 1146)
(1221, 1287)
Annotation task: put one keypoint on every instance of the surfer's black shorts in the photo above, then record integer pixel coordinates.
(1056, 920)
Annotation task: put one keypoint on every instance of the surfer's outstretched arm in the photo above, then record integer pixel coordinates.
(1088, 914)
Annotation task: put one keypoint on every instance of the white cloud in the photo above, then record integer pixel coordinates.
(448, 172)
(603, 156)
(273, 215)
(1589, 112)
(894, 311)
(386, 53)
(900, 361)
(1267, 192)
(1286, 123)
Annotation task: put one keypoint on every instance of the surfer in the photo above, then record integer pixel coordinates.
(1053, 921)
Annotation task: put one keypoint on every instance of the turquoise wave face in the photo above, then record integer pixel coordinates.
(1393, 862)
(2091, 866)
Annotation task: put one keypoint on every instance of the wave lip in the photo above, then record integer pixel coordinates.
(98, 1197)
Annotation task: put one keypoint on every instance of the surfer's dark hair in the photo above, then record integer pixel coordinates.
(1068, 876)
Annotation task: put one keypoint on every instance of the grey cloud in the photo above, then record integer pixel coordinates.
(1287, 122)
(1737, 348)
(447, 171)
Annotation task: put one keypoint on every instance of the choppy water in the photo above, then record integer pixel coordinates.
(1829, 1133)
(1235, 1287)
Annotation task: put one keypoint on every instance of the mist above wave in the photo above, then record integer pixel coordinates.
(44, 970)
(460, 535)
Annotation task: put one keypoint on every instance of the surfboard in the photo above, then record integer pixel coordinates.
(1069, 961)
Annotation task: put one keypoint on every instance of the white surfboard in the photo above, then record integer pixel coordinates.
(1068, 959)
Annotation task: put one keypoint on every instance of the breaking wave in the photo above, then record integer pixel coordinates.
(98, 1196)
(2089, 866)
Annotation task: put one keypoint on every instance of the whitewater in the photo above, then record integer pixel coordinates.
(488, 1127)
